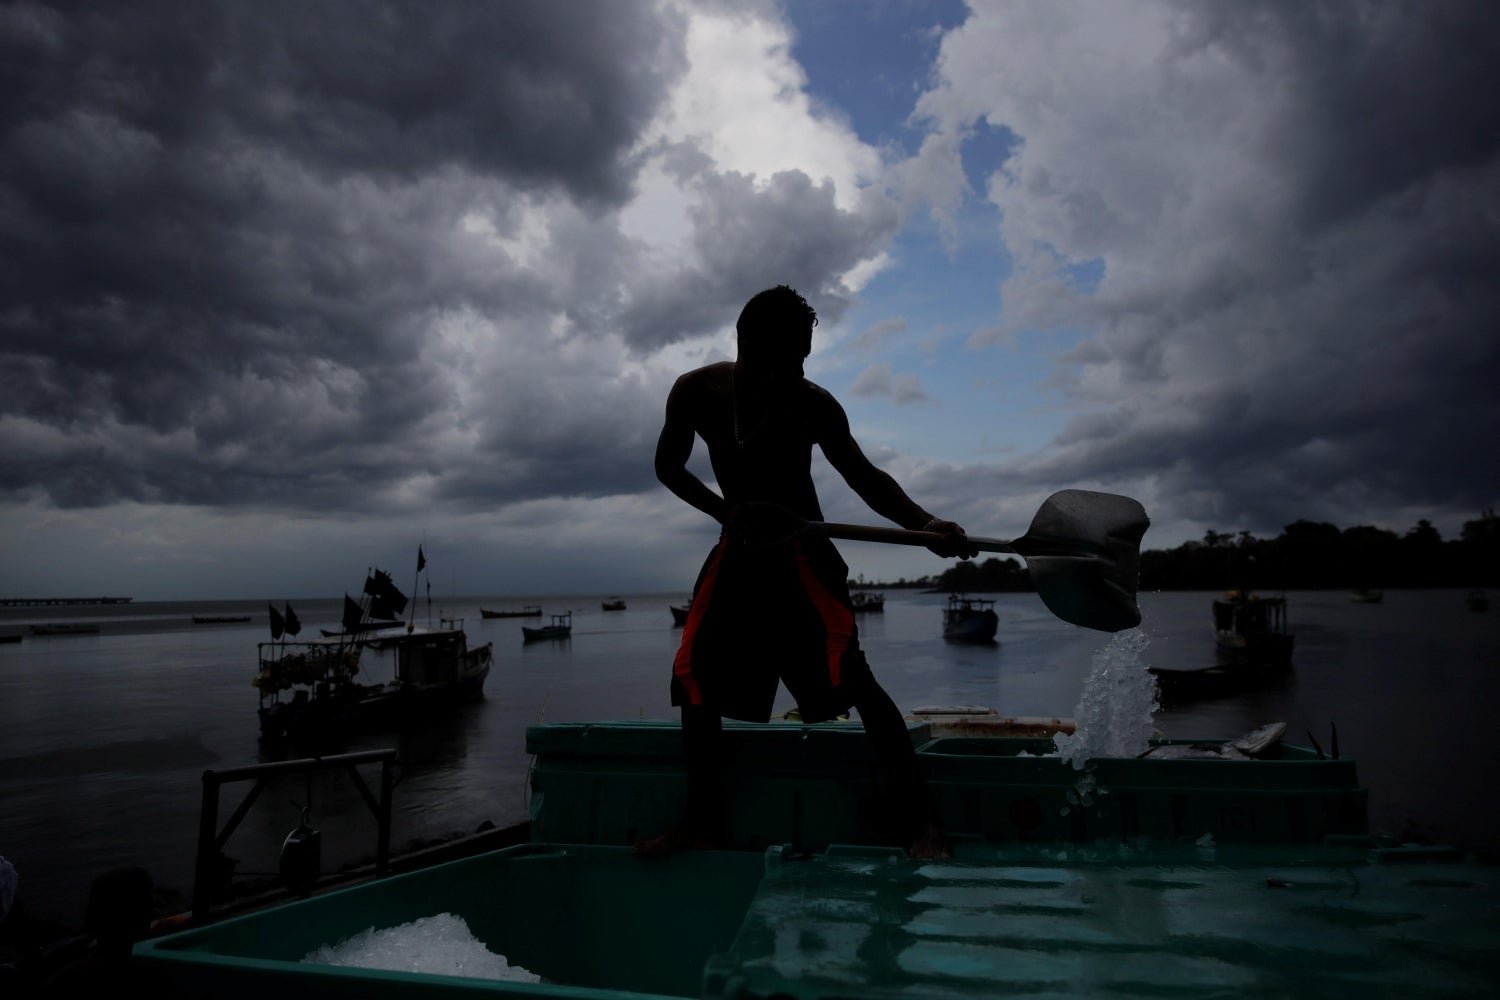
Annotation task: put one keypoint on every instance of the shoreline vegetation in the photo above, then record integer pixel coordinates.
(1307, 555)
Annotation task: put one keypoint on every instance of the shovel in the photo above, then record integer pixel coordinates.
(1083, 550)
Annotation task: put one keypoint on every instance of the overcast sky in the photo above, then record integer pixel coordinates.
(288, 289)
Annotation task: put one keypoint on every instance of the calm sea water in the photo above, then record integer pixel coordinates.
(104, 738)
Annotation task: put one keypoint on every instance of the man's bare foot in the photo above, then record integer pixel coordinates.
(674, 840)
(931, 843)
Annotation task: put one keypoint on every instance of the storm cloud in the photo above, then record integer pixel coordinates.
(1291, 210)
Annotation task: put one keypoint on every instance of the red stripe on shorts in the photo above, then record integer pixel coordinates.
(838, 621)
(682, 664)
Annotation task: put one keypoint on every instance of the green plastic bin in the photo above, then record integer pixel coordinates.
(591, 921)
(1004, 789)
(788, 783)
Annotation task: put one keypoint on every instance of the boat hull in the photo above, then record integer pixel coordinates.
(970, 619)
(1256, 649)
(1251, 877)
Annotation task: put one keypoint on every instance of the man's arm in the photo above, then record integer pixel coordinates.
(875, 487)
(675, 445)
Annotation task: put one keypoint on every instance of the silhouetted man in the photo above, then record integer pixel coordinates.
(772, 602)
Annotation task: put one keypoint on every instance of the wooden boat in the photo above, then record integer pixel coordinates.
(614, 604)
(1365, 595)
(1199, 870)
(311, 691)
(219, 619)
(1478, 600)
(867, 600)
(679, 613)
(560, 628)
(65, 628)
(325, 689)
(527, 611)
(970, 619)
(367, 625)
(1251, 630)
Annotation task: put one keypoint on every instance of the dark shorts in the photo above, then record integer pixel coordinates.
(766, 614)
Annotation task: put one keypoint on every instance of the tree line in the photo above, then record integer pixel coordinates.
(1307, 555)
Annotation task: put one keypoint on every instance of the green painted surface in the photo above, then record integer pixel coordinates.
(812, 786)
(1173, 878)
(1064, 921)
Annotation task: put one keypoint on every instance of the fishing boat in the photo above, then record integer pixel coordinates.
(561, 627)
(362, 627)
(679, 612)
(325, 688)
(970, 619)
(614, 604)
(527, 611)
(866, 600)
(1199, 869)
(1251, 630)
(322, 689)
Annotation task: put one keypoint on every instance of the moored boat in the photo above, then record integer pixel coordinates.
(561, 627)
(219, 619)
(527, 611)
(680, 612)
(1366, 595)
(867, 600)
(1251, 630)
(613, 604)
(1478, 600)
(324, 689)
(970, 619)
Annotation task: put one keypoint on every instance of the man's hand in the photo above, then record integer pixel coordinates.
(954, 542)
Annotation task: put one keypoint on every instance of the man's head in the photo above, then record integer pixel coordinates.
(775, 329)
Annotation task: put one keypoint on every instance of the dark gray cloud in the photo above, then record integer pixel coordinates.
(231, 229)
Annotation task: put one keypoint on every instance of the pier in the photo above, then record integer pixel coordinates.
(33, 602)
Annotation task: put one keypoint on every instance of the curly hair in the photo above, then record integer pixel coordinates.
(775, 316)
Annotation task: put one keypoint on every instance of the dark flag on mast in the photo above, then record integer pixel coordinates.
(293, 623)
(421, 559)
(277, 624)
(352, 614)
(390, 599)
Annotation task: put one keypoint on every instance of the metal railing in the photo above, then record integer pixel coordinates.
(211, 839)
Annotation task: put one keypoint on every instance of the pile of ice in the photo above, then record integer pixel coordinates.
(1115, 716)
(439, 945)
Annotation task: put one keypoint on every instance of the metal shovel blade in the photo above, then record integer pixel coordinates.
(1083, 551)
